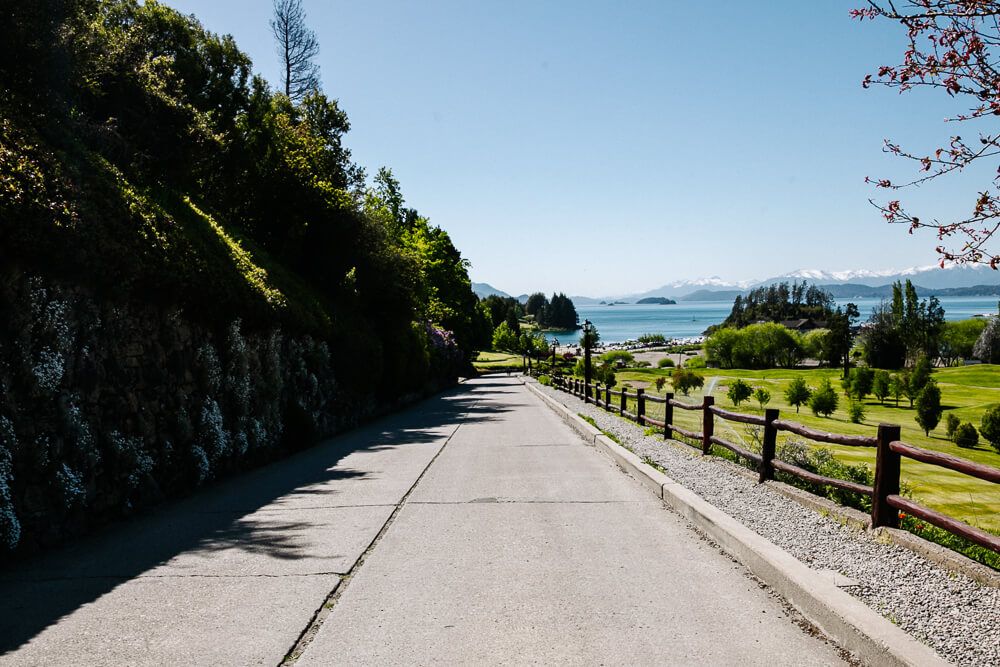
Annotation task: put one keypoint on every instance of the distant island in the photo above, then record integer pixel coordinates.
(661, 300)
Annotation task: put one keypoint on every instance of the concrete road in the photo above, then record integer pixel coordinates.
(475, 528)
(523, 545)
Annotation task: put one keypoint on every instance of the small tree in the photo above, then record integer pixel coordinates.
(906, 383)
(685, 380)
(966, 436)
(862, 380)
(762, 396)
(739, 391)
(921, 374)
(856, 411)
(951, 423)
(824, 400)
(990, 427)
(797, 393)
(881, 385)
(929, 407)
(504, 339)
(659, 382)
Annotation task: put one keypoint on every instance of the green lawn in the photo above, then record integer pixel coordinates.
(495, 361)
(966, 392)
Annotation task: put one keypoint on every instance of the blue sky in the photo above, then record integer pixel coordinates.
(603, 148)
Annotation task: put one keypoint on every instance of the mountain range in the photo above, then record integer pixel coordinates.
(955, 280)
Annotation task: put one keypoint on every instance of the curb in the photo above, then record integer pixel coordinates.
(844, 619)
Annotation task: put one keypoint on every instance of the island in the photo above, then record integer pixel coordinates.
(661, 300)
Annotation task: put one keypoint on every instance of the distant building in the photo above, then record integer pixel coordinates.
(804, 324)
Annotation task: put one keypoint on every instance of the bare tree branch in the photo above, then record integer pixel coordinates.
(297, 46)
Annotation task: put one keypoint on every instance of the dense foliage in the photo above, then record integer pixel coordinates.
(136, 141)
(780, 302)
(907, 327)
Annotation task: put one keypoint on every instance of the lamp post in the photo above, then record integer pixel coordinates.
(555, 344)
(588, 328)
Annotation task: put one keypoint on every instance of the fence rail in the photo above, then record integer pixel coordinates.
(889, 449)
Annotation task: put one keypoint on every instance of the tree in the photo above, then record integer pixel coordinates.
(535, 303)
(505, 339)
(880, 385)
(951, 423)
(297, 46)
(837, 347)
(862, 380)
(685, 380)
(899, 386)
(797, 393)
(762, 396)
(950, 48)
(990, 427)
(987, 347)
(929, 407)
(921, 374)
(958, 339)
(738, 391)
(824, 400)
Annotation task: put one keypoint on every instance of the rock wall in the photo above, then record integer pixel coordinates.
(108, 408)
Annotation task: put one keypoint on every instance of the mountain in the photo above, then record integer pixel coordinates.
(930, 277)
(682, 288)
(484, 290)
(712, 295)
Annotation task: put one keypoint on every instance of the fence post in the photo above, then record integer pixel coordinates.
(886, 478)
(668, 416)
(640, 405)
(707, 424)
(607, 397)
(767, 450)
(624, 406)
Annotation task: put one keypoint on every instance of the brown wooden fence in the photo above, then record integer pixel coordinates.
(889, 449)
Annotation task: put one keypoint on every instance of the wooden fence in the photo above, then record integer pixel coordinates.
(889, 449)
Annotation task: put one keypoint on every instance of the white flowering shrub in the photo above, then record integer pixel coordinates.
(213, 437)
(70, 485)
(10, 526)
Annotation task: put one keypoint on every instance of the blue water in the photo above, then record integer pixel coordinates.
(688, 319)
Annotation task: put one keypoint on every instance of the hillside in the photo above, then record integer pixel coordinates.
(196, 276)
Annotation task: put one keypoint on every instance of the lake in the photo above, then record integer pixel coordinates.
(688, 319)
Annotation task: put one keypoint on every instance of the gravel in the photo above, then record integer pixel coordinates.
(957, 616)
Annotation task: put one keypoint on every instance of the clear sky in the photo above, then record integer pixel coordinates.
(600, 148)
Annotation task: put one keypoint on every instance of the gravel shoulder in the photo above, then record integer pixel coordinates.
(957, 616)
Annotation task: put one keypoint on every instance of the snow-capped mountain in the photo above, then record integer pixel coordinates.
(932, 277)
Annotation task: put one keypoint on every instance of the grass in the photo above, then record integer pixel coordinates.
(966, 391)
(496, 361)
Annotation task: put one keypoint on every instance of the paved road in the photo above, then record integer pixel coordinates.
(475, 528)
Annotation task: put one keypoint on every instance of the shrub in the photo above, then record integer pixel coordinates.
(856, 411)
(685, 380)
(665, 362)
(929, 407)
(617, 355)
(544, 380)
(762, 396)
(951, 423)
(990, 427)
(695, 362)
(642, 364)
(659, 382)
(966, 435)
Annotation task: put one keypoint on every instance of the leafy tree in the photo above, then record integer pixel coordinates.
(778, 302)
(856, 412)
(881, 385)
(862, 381)
(958, 339)
(929, 407)
(535, 303)
(839, 342)
(950, 47)
(921, 374)
(824, 400)
(659, 382)
(797, 393)
(762, 396)
(739, 391)
(966, 436)
(882, 342)
(590, 339)
(899, 385)
(297, 47)
(505, 339)
(685, 380)
(990, 427)
(951, 422)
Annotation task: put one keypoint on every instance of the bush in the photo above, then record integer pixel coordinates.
(642, 364)
(695, 362)
(856, 411)
(617, 355)
(951, 423)
(685, 380)
(966, 436)
(990, 427)
(659, 382)
(665, 362)
(544, 380)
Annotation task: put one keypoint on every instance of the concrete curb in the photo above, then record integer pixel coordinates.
(844, 619)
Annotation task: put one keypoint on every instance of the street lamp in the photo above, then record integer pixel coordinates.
(588, 329)
(555, 344)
